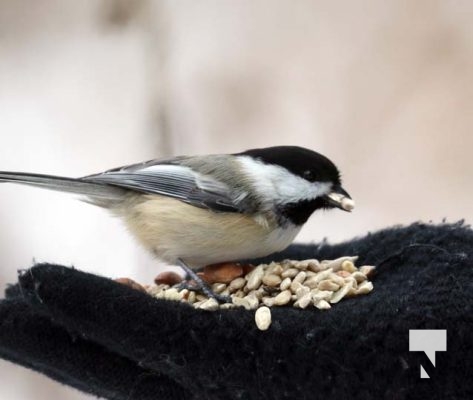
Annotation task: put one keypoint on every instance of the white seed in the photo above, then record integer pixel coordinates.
(259, 293)
(340, 281)
(322, 305)
(303, 265)
(300, 277)
(191, 297)
(365, 288)
(348, 265)
(236, 284)
(275, 269)
(254, 293)
(352, 292)
(239, 293)
(282, 298)
(294, 286)
(255, 271)
(349, 280)
(263, 318)
(305, 300)
(172, 294)
(314, 281)
(271, 280)
(219, 287)
(340, 294)
(342, 273)
(337, 263)
(321, 294)
(241, 302)
(254, 278)
(289, 273)
(269, 267)
(253, 301)
(209, 305)
(311, 282)
(347, 204)
(302, 291)
(278, 269)
(285, 284)
(359, 277)
(314, 266)
(268, 301)
(328, 285)
(200, 297)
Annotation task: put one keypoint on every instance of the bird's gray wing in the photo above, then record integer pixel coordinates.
(170, 178)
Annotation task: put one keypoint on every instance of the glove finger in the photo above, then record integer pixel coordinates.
(34, 341)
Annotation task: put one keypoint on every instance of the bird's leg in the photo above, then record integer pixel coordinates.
(200, 284)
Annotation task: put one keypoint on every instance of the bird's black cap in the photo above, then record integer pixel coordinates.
(302, 162)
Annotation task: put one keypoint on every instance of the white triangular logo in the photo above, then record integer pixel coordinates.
(423, 374)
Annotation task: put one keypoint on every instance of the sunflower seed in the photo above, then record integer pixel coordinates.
(263, 318)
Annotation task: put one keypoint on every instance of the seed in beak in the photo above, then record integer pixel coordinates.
(340, 201)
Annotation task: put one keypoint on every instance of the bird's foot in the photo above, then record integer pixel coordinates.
(195, 283)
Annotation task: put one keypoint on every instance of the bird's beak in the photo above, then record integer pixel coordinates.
(339, 198)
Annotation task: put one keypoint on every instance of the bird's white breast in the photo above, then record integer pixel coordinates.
(172, 229)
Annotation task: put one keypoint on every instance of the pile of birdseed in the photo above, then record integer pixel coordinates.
(301, 284)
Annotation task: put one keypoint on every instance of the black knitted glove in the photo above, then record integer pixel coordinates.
(115, 342)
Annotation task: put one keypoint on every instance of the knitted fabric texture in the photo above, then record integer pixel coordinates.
(107, 339)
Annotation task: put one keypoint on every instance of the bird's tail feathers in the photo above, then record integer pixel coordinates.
(97, 193)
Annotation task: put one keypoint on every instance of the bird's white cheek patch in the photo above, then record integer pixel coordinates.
(278, 184)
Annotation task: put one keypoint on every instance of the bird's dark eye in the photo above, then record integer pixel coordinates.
(309, 175)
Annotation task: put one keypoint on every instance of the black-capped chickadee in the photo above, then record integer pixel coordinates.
(203, 210)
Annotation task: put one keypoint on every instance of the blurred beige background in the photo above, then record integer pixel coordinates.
(384, 88)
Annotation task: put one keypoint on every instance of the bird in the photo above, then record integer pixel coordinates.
(201, 210)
